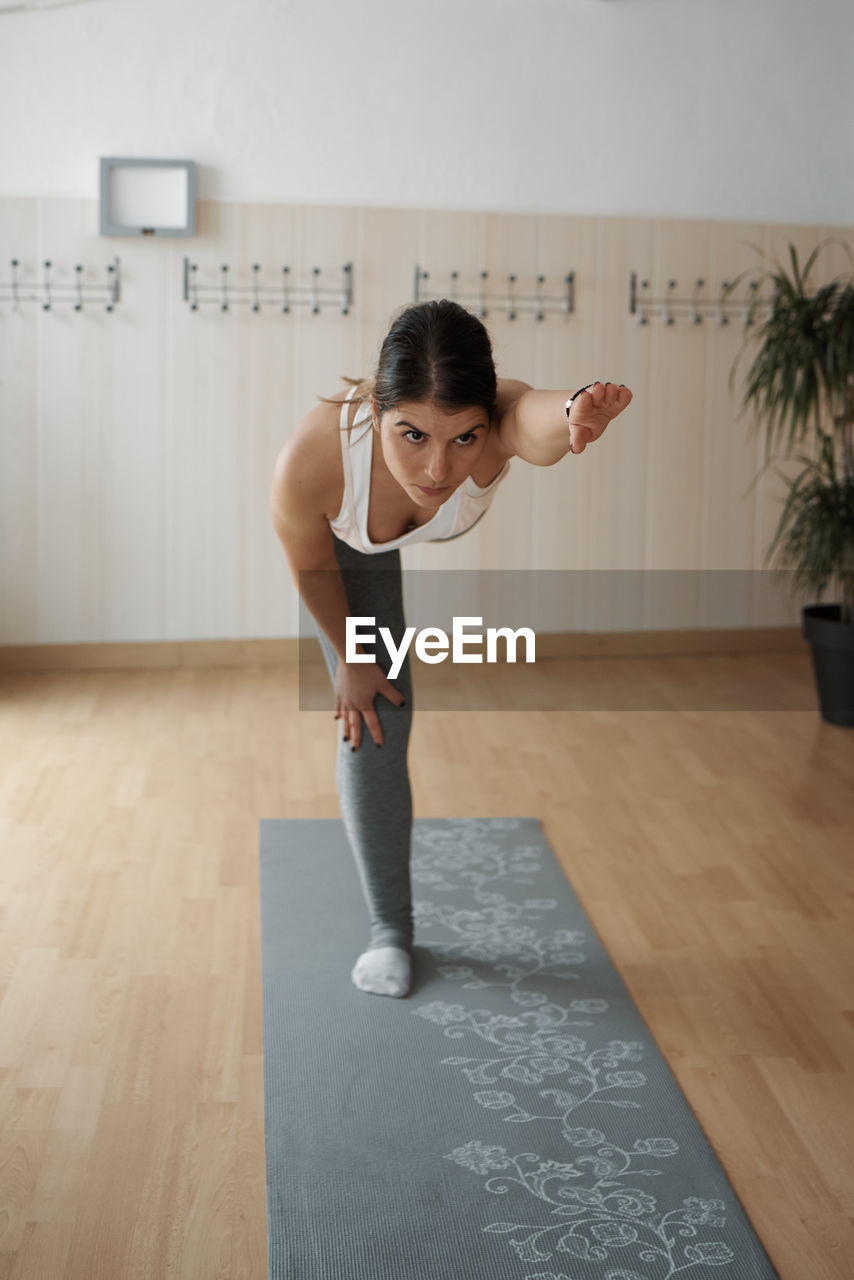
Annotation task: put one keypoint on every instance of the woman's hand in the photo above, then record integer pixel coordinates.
(356, 686)
(592, 410)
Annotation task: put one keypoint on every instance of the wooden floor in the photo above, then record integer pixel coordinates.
(712, 850)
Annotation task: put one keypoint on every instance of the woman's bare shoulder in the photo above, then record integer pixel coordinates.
(509, 391)
(311, 458)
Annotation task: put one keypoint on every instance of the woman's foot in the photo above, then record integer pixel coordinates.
(384, 971)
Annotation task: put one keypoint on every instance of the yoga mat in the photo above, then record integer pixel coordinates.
(511, 1119)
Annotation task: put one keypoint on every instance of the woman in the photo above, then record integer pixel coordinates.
(415, 453)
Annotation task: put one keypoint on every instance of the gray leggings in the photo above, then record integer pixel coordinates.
(373, 784)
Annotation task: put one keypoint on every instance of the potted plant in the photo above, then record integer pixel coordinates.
(801, 387)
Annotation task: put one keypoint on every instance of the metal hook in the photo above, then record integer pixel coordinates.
(286, 301)
(696, 316)
(539, 297)
(113, 270)
(224, 303)
(511, 311)
(315, 301)
(723, 318)
(484, 276)
(256, 305)
(642, 319)
(46, 303)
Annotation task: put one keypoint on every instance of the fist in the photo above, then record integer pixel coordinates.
(591, 411)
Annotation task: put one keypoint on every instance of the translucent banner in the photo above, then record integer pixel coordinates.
(551, 640)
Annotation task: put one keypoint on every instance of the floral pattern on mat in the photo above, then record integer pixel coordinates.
(599, 1193)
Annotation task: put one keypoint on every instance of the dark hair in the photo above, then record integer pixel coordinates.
(436, 351)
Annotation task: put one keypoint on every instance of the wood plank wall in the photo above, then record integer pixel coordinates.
(137, 447)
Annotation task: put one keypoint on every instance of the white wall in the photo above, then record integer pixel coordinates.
(136, 448)
(714, 109)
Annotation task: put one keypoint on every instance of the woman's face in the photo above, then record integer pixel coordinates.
(428, 451)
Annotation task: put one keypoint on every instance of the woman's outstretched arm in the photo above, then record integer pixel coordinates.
(535, 426)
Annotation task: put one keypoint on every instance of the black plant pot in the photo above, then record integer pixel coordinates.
(832, 643)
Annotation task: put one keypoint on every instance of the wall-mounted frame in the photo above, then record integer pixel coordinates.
(147, 197)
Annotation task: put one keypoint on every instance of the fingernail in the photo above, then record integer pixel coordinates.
(402, 704)
(378, 744)
(352, 748)
(345, 739)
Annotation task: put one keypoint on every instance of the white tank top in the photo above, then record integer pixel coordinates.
(463, 509)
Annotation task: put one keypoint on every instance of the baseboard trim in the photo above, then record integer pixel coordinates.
(272, 652)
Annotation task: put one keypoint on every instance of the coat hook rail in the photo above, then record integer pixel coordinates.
(512, 303)
(285, 295)
(52, 292)
(694, 309)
